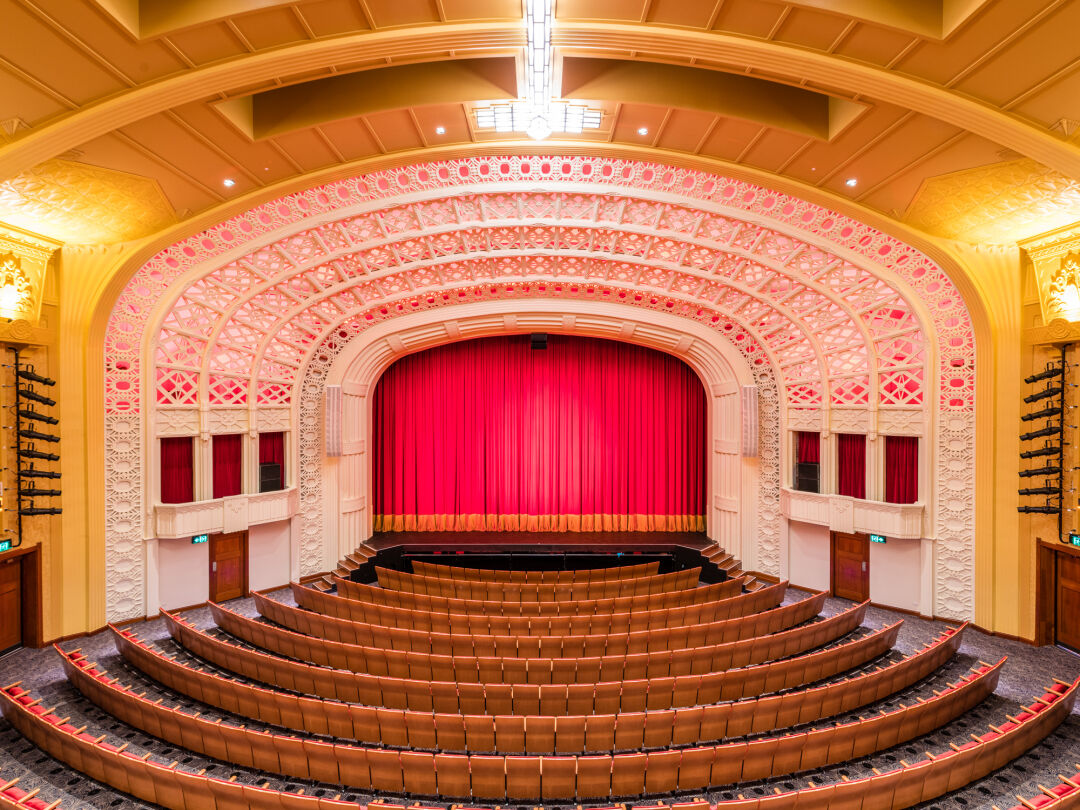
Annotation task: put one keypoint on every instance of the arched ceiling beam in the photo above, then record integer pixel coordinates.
(308, 104)
(671, 44)
(771, 104)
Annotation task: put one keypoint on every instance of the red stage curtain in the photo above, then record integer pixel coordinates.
(586, 435)
(177, 470)
(851, 464)
(901, 469)
(807, 447)
(272, 449)
(227, 453)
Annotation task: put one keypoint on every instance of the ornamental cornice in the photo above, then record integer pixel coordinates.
(1057, 332)
(22, 331)
(27, 245)
(1053, 244)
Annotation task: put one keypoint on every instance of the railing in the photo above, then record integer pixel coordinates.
(845, 514)
(233, 514)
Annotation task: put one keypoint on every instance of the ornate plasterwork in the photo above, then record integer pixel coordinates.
(1002, 203)
(83, 204)
(1057, 332)
(16, 292)
(843, 314)
(24, 257)
(1056, 258)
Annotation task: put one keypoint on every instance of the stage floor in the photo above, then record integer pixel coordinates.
(523, 541)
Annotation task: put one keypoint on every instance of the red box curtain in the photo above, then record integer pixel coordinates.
(272, 448)
(901, 469)
(851, 464)
(586, 435)
(227, 451)
(177, 470)
(807, 447)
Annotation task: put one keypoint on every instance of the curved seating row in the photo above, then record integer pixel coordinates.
(379, 661)
(475, 698)
(375, 595)
(730, 607)
(14, 797)
(631, 774)
(171, 787)
(553, 646)
(499, 575)
(1060, 796)
(445, 727)
(537, 592)
(165, 785)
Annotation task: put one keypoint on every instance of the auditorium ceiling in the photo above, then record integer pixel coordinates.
(121, 117)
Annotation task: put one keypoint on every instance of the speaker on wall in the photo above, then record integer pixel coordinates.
(269, 477)
(538, 340)
(806, 476)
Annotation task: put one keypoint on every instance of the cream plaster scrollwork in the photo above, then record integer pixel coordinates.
(125, 579)
(954, 518)
(901, 422)
(269, 420)
(769, 445)
(843, 420)
(176, 422)
(227, 420)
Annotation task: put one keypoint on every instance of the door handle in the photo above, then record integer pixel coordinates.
(863, 566)
(213, 567)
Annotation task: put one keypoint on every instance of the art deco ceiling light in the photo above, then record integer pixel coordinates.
(538, 114)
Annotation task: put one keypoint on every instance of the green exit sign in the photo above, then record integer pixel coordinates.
(200, 538)
(877, 538)
(1074, 539)
(5, 545)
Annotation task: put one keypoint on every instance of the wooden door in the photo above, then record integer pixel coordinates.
(228, 566)
(11, 618)
(1068, 600)
(851, 566)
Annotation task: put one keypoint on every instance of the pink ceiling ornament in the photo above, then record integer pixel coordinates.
(436, 229)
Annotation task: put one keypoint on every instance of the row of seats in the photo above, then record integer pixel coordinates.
(399, 663)
(520, 777)
(731, 607)
(498, 575)
(446, 727)
(171, 787)
(475, 698)
(165, 785)
(14, 797)
(537, 591)
(725, 631)
(587, 777)
(374, 595)
(1060, 796)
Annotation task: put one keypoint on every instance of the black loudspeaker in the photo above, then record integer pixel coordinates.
(269, 477)
(806, 476)
(538, 340)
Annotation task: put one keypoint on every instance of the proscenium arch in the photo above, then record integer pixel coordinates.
(675, 44)
(346, 518)
(858, 237)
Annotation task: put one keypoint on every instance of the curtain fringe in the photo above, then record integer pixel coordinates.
(539, 523)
